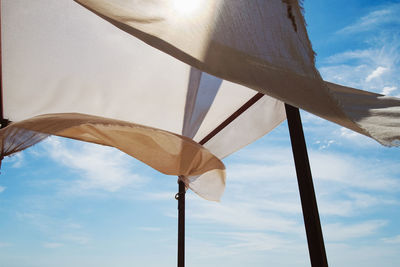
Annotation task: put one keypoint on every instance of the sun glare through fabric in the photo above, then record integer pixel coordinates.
(186, 7)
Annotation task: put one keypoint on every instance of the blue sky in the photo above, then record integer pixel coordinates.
(67, 203)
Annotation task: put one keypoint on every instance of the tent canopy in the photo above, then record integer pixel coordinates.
(59, 57)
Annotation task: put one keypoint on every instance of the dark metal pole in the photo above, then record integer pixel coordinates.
(181, 223)
(316, 246)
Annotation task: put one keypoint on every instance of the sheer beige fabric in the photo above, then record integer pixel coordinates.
(166, 152)
(55, 64)
(59, 57)
(259, 44)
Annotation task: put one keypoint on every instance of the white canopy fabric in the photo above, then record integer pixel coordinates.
(260, 44)
(59, 57)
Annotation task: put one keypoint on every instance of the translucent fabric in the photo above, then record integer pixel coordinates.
(55, 64)
(260, 44)
(166, 152)
(189, 70)
(58, 57)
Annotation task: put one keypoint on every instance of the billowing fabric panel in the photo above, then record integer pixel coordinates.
(59, 57)
(260, 44)
(55, 64)
(166, 152)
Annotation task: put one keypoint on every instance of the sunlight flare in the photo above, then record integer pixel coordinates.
(186, 7)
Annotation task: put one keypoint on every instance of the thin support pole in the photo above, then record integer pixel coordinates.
(181, 223)
(315, 240)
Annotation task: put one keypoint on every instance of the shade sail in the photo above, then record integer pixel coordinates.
(260, 44)
(59, 57)
(55, 64)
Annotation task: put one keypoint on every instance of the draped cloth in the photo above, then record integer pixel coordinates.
(68, 71)
(166, 152)
(260, 44)
(53, 64)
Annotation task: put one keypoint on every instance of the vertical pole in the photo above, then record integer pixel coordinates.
(181, 223)
(315, 240)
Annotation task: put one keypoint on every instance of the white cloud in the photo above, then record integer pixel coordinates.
(274, 166)
(348, 137)
(349, 202)
(99, 167)
(255, 241)
(354, 172)
(387, 90)
(15, 160)
(361, 254)
(326, 135)
(342, 232)
(2, 188)
(246, 248)
(262, 195)
(57, 228)
(372, 69)
(376, 18)
(376, 66)
(348, 133)
(245, 216)
(376, 73)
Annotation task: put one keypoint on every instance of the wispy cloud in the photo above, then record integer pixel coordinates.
(372, 69)
(2, 188)
(376, 73)
(387, 90)
(342, 232)
(262, 197)
(255, 241)
(245, 216)
(376, 18)
(232, 243)
(354, 172)
(55, 228)
(15, 161)
(376, 66)
(361, 254)
(98, 167)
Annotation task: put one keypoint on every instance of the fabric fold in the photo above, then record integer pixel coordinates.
(262, 45)
(377, 116)
(169, 153)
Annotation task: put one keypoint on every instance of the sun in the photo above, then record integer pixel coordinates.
(186, 7)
